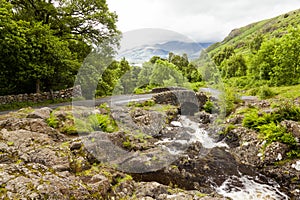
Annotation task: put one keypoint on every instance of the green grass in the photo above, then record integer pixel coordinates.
(18, 105)
(289, 92)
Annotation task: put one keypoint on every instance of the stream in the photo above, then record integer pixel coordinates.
(237, 187)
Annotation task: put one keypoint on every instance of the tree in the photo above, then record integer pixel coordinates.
(163, 72)
(224, 54)
(287, 59)
(263, 63)
(277, 60)
(235, 66)
(45, 41)
(256, 43)
(145, 73)
(71, 19)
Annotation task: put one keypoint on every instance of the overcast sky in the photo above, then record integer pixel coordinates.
(201, 20)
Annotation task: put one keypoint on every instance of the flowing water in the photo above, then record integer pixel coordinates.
(242, 187)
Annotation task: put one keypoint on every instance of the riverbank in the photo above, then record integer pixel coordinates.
(145, 151)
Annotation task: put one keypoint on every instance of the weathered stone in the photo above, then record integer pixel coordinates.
(43, 113)
(293, 127)
(274, 153)
(75, 145)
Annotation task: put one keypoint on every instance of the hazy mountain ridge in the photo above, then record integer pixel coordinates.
(143, 53)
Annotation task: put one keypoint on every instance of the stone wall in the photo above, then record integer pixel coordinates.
(41, 97)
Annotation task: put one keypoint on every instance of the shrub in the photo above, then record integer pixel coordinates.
(52, 121)
(265, 92)
(288, 111)
(208, 106)
(102, 122)
(230, 98)
(272, 133)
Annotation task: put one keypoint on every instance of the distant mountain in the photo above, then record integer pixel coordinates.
(143, 53)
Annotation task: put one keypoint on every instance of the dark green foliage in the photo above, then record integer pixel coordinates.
(43, 42)
(277, 60)
(270, 58)
(224, 54)
(256, 43)
(209, 106)
(234, 66)
(288, 111)
(230, 99)
(265, 92)
(52, 121)
(253, 120)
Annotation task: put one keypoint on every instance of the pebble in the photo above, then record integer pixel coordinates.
(296, 166)
(176, 124)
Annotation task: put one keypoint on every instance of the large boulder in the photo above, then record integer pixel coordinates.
(42, 113)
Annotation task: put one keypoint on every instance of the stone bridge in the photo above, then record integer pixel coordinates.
(188, 101)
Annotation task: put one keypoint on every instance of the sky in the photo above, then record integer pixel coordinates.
(200, 20)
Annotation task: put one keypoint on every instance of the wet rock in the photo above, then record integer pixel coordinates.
(204, 118)
(197, 170)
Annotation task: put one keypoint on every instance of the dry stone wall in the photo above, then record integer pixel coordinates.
(41, 97)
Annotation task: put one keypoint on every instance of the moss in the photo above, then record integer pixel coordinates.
(69, 129)
(145, 104)
(10, 143)
(127, 144)
(199, 194)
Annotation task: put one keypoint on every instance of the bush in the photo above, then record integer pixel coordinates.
(52, 121)
(272, 133)
(268, 125)
(253, 121)
(230, 98)
(288, 111)
(101, 122)
(265, 92)
(208, 106)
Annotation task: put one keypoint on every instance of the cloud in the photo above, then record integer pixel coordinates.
(200, 19)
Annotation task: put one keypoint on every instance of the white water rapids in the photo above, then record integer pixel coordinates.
(236, 188)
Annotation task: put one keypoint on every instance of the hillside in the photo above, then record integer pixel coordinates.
(265, 53)
(239, 38)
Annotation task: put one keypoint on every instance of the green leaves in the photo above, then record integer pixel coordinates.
(277, 60)
(44, 42)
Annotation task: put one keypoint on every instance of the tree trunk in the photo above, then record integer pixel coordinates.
(37, 85)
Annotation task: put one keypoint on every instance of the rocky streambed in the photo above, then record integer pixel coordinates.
(141, 151)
